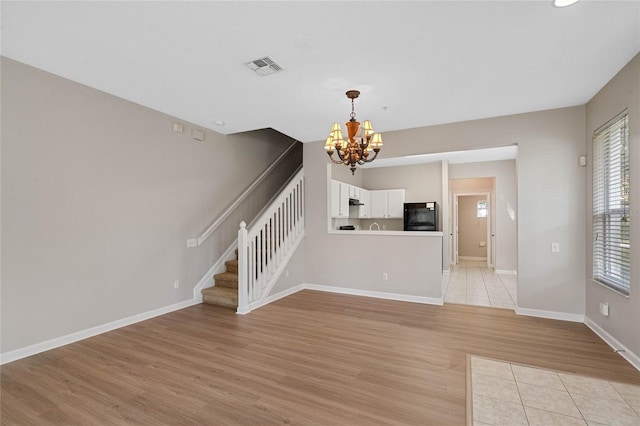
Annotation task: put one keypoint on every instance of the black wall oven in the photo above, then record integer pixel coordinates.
(421, 216)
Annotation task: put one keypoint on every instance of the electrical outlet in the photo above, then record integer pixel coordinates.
(604, 309)
(385, 276)
(193, 242)
(176, 284)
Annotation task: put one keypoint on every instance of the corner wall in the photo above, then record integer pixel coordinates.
(99, 196)
(623, 322)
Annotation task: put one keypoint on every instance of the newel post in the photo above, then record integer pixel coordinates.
(243, 262)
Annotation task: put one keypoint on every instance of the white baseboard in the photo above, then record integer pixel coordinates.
(472, 258)
(563, 316)
(621, 349)
(271, 298)
(90, 332)
(218, 267)
(505, 272)
(341, 290)
(376, 294)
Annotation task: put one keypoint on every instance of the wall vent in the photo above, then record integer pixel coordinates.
(265, 66)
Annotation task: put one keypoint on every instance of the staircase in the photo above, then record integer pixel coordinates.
(225, 291)
(264, 249)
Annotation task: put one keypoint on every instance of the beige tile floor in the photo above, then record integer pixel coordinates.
(510, 394)
(471, 282)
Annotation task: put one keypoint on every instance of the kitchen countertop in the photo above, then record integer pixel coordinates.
(388, 233)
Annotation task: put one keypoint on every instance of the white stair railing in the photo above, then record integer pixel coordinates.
(265, 248)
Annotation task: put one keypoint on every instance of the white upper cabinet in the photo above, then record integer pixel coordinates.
(395, 203)
(354, 192)
(339, 199)
(379, 204)
(387, 204)
(364, 211)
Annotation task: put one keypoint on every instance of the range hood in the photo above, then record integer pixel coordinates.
(355, 202)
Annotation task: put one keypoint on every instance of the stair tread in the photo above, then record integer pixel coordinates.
(231, 262)
(220, 291)
(220, 296)
(227, 284)
(226, 276)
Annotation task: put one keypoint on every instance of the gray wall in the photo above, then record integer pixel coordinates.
(550, 188)
(98, 199)
(505, 202)
(421, 182)
(355, 261)
(622, 92)
(471, 229)
(473, 184)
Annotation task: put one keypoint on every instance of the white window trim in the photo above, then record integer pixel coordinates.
(609, 255)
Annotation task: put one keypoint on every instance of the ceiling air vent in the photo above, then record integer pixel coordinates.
(265, 66)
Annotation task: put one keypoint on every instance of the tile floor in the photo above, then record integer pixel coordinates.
(510, 394)
(471, 282)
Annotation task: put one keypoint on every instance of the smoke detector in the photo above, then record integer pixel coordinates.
(265, 66)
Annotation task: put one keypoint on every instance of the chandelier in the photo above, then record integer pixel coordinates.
(361, 140)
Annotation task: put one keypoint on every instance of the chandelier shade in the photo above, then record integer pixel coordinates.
(360, 141)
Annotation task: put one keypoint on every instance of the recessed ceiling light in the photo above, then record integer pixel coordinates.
(563, 3)
(220, 123)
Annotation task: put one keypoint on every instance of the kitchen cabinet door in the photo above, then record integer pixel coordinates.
(378, 204)
(354, 192)
(395, 203)
(387, 204)
(339, 199)
(364, 212)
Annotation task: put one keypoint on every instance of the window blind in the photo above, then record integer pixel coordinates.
(611, 236)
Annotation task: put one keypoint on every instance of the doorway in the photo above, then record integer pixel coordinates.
(473, 278)
(472, 230)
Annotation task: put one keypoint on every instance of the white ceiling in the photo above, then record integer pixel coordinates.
(417, 63)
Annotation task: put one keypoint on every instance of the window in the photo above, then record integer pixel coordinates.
(611, 245)
(481, 209)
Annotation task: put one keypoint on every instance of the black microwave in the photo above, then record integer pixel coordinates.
(421, 216)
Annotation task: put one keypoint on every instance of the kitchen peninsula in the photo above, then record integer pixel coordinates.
(391, 263)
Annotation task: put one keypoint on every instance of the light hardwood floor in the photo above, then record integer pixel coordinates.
(310, 359)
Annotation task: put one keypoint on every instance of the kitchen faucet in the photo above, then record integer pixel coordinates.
(374, 223)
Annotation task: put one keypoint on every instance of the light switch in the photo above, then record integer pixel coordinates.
(555, 247)
(197, 134)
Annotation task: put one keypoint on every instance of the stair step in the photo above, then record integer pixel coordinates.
(232, 266)
(221, 296)
(226, 279)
